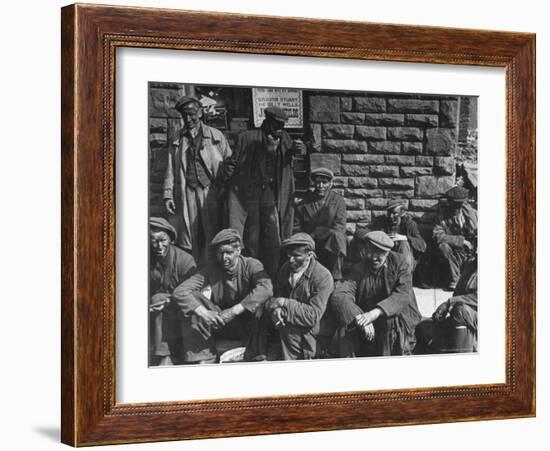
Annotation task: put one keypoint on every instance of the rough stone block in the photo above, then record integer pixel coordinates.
(325, 160)
(424, 204)
(385, 147)
(355, 170)
(422, 120)
(448, 113)
(324, 109)
(369, 104)
(157, 139)
(358, 215)
(413, 106)
(363, 159)
(440, 141)
(353, 118)
(371, 133)
(158, 125)
(362, 192)
(339, 191)
(362, 182)
(431, 186)
(355, 203)
(341, 131)
(350, 228)
(384, 119)
(376, 203)
(317, 136)
(396, 183)
(384, 171)
(400, 160)
(405, 133)
(340, 182)
(414, 148)
(444, 165)
(346, 103)
(162, 101)
(344, 146)
(424, 161)
(413, 171)
(377, 213)
(398, 193)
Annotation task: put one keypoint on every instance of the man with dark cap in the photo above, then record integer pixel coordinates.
(169, 266)
(402, 229)
(262, 187)
(195, 180)
(302, 290)
(375, 308)
(219, 304)
(455, 232)
(322, 214)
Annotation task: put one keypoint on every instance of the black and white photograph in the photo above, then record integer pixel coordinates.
(292, 224)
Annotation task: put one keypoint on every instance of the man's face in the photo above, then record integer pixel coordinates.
(226, 256)
(455, 207)
(374, 256)
(321, 185)
(297, 257)
(274, 127)
(395, 215)
(191, 114)
(160, 242)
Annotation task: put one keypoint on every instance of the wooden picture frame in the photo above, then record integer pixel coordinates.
(90, 36)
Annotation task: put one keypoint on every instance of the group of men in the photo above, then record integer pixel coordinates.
(237, 264)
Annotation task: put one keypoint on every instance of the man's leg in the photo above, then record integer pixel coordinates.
(454, 258)
(297, 343)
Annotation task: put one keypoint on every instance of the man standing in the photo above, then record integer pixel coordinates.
(402, 229)
(322, 214)
(195, 180)
(376, 309)
(219, 303)
(302, 290)
(169, 266)
(455, 233)
(262, 188)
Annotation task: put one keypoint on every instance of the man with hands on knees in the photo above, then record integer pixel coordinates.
(220, 303)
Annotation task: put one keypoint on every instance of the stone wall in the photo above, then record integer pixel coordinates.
(385, 146)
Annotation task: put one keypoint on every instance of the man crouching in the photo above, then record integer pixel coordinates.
(302, 289)
(219, 303)
(376, 309)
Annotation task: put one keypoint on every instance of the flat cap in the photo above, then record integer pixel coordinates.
(394, 203)
(182, 101)
(457, 194)
(164, 225)
(380, 240)
(325, 172)
(276, 113)
(226, 236)
(299, 239)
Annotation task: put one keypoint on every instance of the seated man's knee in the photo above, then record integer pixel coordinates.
(461, 315)
(445, 249)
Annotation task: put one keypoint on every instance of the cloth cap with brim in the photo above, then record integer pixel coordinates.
(182, 101)
(276, 113)
(164, 225)
(394, 203)
(322, 172)
(226, 236)
(457, 194)
(299, 239)
(380, 240)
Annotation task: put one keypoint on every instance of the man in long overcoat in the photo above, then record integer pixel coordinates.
(194, 183)
(375, 309)
(169, 266)
(261, 190)
(322, 214)
(220, 302)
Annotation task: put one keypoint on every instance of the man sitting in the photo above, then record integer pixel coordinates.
(169, 266)
(219, 303)
(376, 310)
(322, 214)
(302, 290)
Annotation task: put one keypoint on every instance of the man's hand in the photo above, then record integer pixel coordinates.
(170, 206)
(278, 318)
(299, 147)
(275, 303)
(441, 312)
(158, 302)
(369, 332)
(211, 318)
(369, 317)
(468, 245)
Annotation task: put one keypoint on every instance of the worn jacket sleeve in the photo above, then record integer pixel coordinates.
(309, 314)
(415, 239)
(168, 185)
(186, 267)
(402, 292)
(262, 288)
(342, 302)
(185, 294)
(441, 237)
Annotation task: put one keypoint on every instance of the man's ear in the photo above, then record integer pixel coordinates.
(199, 113)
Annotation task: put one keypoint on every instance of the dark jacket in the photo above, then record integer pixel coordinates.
(326, 226)
(168, 272)
(447, 230)
(408, 228)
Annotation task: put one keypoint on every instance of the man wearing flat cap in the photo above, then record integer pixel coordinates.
(455, 233)
(302, 289)
(375, 308)
(402, 229)
(262, 187)
(169, 266)
(322, 214)
(194, 183)
(219, 304)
